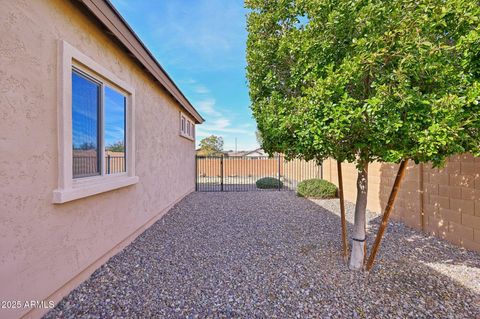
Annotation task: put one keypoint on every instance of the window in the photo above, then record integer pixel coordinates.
(85, 126)
(187, 127)
(114, 138)
(190, 131)
(96, 129)
(88, 103)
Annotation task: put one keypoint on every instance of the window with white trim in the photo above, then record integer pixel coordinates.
(187, 127)
(96, 128)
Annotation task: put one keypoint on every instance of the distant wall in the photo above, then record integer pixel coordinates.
(238, 166)
(443, 202)
(296, 169)
(48, 249)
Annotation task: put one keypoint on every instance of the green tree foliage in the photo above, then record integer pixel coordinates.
(85, 146)
(365, 80)
(211, 145)
(118, 146)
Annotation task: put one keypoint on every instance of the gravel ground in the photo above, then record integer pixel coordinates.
(274, 255)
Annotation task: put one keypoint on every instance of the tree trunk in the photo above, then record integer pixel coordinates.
(358, 239)
(342, 211)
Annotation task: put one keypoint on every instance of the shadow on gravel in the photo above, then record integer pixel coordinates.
(270, 254)
(425, 247)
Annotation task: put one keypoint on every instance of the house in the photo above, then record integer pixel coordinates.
(234, 153)
(255, 153)
(96, 144)
(258, 152)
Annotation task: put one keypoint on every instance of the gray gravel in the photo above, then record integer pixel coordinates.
(274, 255)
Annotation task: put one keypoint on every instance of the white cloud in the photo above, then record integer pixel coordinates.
(207, 106)
(217, 123)
(213, 40)
(222, 125)
(235, 133)
(189, 81)
(200, 89)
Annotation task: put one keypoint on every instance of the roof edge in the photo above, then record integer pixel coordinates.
(106, 13)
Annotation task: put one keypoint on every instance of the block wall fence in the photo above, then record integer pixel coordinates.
(443, 202)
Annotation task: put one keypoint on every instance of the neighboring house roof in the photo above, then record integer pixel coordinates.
(256, 152)
(233, 153)
(117, 27)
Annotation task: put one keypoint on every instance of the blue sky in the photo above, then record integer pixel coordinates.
(114, 117)
(201, 44)
(85, 109)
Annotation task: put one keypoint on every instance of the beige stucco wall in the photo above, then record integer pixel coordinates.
(448, 197)
(47, 249)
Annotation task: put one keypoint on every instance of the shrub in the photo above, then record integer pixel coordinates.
(268, 182)
(316, 188)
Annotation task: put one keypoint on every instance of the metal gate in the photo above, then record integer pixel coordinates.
(224, 174)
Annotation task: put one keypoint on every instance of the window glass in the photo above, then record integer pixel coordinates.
(85, 126)
(114, 113)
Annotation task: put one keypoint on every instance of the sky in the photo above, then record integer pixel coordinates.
(85, 113)
(201, 45)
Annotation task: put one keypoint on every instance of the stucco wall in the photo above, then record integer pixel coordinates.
(45, 247)
(449, 198)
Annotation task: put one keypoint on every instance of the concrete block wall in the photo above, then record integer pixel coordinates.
(452, 201)
(444, 202)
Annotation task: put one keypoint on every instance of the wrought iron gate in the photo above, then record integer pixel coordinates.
(223, 174)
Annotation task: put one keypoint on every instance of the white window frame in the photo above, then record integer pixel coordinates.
(192, 130)
(183, 123)
(187, 127)
(70, 188)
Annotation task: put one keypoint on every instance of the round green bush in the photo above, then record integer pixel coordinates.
(316, 188)
(268, 182)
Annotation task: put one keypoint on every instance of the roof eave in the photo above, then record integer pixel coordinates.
(105, 12)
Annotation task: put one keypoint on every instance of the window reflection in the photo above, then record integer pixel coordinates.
(85, 126)
(114, 113)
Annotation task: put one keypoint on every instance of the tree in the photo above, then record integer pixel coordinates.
(258, 136)
(85, 146)
(364, 81)
(211, 145)
(118, 146)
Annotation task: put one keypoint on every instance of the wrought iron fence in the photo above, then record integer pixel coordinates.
(219, 174)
